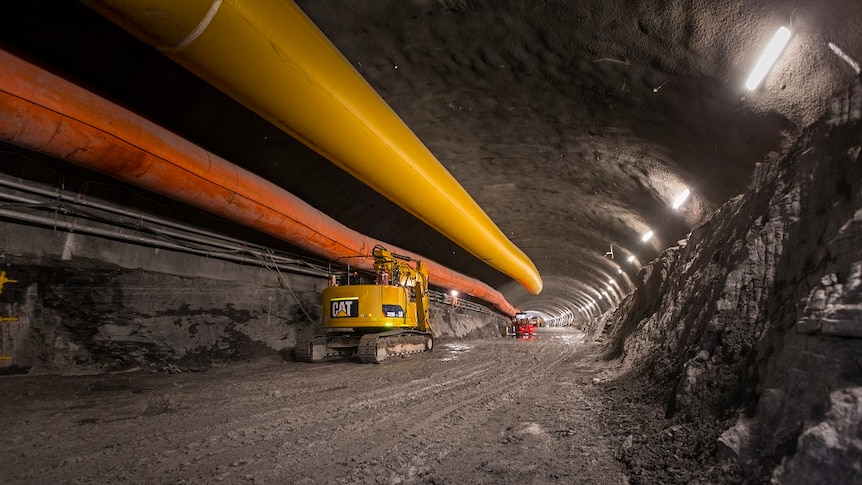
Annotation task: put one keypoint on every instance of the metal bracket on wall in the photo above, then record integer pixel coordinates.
(4, 280)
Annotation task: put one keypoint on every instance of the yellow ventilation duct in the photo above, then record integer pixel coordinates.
(270, 57)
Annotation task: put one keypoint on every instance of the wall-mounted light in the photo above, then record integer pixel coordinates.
(454, 292)
(631, 259)
(620, 270)
(680, 199)
(768, 58)
(647, 236)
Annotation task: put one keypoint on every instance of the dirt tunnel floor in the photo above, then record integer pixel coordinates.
(480, 412)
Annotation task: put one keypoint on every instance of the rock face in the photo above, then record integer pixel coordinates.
(456, 323)
(86, 316)
(73, 318)
(756, 317)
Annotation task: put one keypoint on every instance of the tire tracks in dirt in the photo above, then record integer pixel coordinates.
(288, 422)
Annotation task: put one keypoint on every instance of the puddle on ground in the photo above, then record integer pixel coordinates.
(455, 348)
(563, 335)
(574, 337)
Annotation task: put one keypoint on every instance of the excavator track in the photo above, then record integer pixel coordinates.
(371, 348)
(374, 348)
(326, 347)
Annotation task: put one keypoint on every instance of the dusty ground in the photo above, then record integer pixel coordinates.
(486, 411)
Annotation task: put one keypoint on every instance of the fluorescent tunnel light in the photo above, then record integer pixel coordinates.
(647, 236)
(768, 58)
(681, 198)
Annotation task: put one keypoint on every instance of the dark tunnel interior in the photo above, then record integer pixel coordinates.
(698, 243)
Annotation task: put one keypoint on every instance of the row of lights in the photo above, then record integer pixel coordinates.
(764, 64)
(678, 201)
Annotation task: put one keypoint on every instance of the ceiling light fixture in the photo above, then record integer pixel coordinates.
(647, 236)
(768, 58)
(631, 259)
(681, 198)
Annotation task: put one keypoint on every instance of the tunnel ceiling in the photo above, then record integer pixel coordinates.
(573, 124)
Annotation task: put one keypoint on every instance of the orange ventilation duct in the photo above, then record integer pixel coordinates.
(44, 113)
(269, 56)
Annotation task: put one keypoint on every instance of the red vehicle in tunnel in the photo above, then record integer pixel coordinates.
(524, 325)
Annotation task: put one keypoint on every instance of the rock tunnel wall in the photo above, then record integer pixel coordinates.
(83, 304)
(755, 320)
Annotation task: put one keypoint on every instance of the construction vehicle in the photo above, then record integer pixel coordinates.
(524, 325)
(374, 321)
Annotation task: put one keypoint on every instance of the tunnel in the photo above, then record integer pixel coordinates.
(671, 192)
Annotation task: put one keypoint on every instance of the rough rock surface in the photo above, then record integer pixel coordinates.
(449, 322)
(73, 318)
(750, 328)
(85, 316)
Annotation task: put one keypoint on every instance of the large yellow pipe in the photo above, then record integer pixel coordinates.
(270, 57)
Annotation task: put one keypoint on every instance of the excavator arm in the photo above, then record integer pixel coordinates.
(423, 313)
(395, 266)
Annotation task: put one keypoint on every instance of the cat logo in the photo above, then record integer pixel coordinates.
(344, 307)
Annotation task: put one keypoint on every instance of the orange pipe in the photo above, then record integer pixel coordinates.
(44, 113)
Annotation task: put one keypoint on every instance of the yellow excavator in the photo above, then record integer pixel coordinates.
(374, 321)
